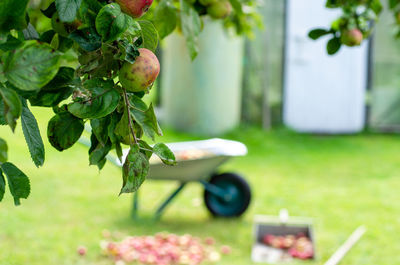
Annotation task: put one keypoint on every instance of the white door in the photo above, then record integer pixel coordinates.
(322, 93)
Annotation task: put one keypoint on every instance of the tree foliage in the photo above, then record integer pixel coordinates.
(100, 36)
(356, 22)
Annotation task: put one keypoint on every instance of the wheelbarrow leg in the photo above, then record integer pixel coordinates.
(162, 207)
(135, 205)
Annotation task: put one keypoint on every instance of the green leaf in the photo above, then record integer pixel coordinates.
(47, 36)
(118, 150)
(102, 100)
(12, 107)
(2, 116)
(64, 77)
(31, 66)
(100, 129)
(129, 52)
(317, 33)
(22, 93)
(393, 3)
(333, 46)
(87, 39)
(237, 6)
(99, 153)
(147, 120)
(140, 94)
(101, 164)
(93, 5)
(30, 33)
(134, 29)
(332, 4)
(164, 18)
(50, 10)
(58, 89)
(3, 151)
(32, 135)
(164, 153)
(65, 43)
(191, 27)
(115, 117)
(67, 9)
(137, 102)
(3, 38)
(12, 14)
(3, 78)
(88, 12)
(2, 185)
(111, 22)
(376, 6)
(61, 43)
(18, 182)
(11, 44)
(64, 130)
(145, 148)
(51, 98)
(149, 35)
(135, 170)
(122, 128)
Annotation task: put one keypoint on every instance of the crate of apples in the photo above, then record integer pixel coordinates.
(297, 246)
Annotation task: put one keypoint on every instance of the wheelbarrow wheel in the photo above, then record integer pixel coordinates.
(237, 198)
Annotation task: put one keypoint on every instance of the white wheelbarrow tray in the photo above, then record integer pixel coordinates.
(194, 169)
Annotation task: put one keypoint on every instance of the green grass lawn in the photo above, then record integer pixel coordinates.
(340, 181)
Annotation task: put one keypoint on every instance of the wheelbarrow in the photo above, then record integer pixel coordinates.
(225, 194)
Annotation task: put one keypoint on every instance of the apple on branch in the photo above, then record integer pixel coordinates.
(135, 8)
(142, 73)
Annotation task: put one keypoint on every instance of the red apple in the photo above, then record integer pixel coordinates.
(142, 73)
(82, 250)
(226, 250)
(267, 239)
(288, 241)
(209, 241)
(134, 8)
(302, 249)
(220, 9)
(351, 37)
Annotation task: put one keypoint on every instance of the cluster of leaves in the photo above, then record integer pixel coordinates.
(33, 71)
(359, 15)
(101, 38)
(188, 16)
(394, 6)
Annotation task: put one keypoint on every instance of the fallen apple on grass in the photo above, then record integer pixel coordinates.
(82, 250)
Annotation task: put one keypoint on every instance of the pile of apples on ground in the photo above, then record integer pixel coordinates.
(161, 249)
